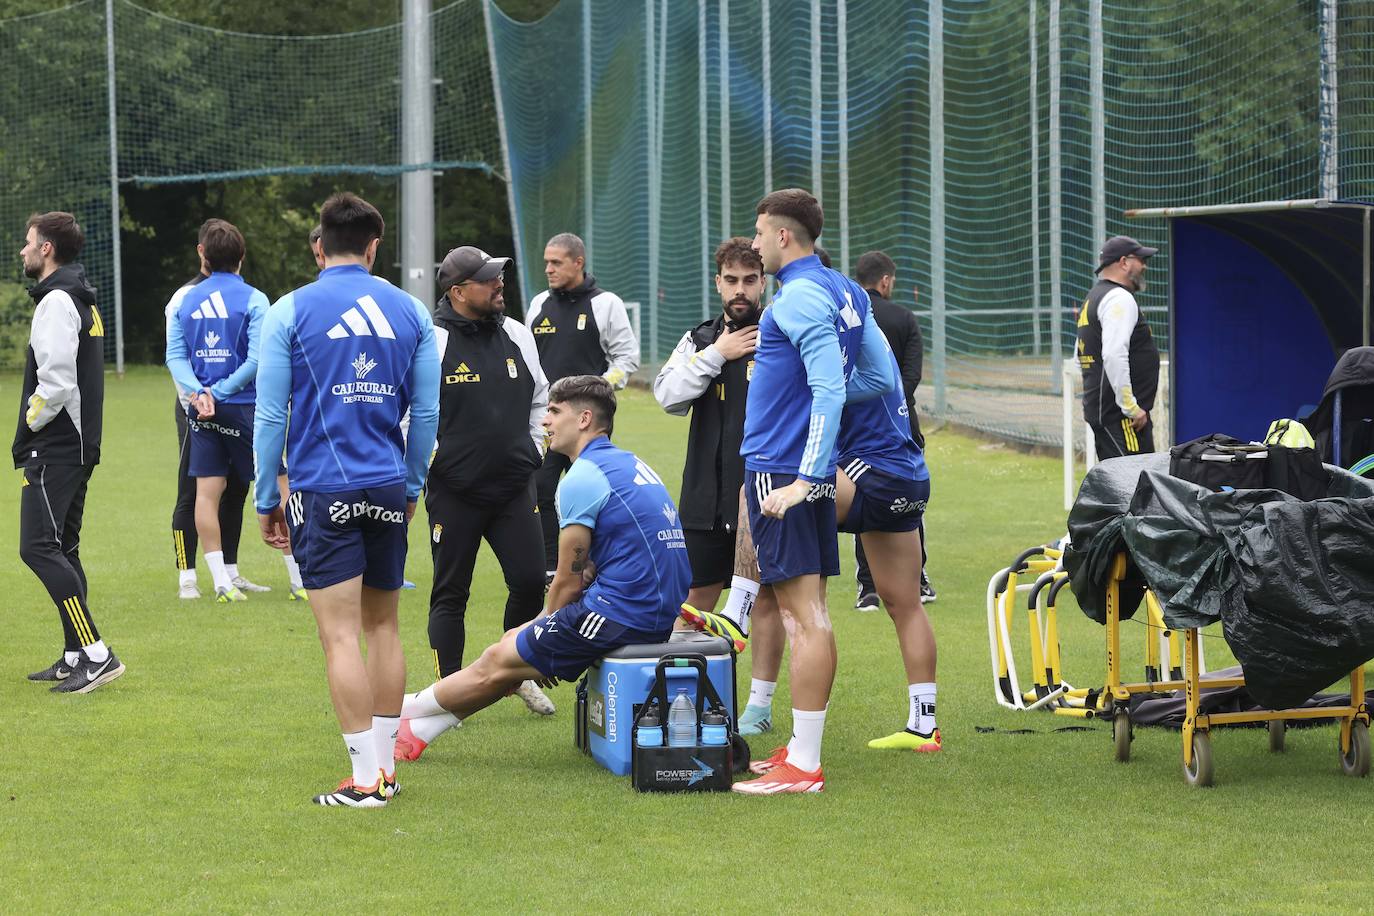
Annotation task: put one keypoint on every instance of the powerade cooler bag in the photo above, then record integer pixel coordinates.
(697, 767)
(614, 689)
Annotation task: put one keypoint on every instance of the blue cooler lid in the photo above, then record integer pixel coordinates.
(680, 641)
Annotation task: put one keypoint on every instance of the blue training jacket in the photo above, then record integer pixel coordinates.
(212, 340)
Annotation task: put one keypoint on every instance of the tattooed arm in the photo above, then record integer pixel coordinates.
(574, 562)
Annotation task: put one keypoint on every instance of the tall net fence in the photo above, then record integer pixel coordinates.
(988, 147)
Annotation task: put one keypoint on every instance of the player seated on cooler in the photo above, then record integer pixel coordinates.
(622, 571)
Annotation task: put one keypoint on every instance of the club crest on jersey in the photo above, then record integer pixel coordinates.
(211, 339)
(362, 365)
(462, 374)
(510, 369)
(545, 327)
(749, 371)
(582, 321)
(438, 532)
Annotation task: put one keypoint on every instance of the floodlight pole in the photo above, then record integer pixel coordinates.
(936, 91)
(417, 151)
(1056, 202)
(1328, 105)
(114, 186)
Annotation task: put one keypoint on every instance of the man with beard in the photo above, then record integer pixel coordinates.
(492, 400)
(1117, 354)
(57, 443)
(579, 329)
(708, 375)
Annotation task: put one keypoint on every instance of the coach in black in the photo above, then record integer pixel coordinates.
(579, 329)
(877, 274)
(708, 374)
(491, 407)
(58, 441)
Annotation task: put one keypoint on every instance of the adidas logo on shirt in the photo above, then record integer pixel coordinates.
(462, 374)
(352, 323)
(212, 308)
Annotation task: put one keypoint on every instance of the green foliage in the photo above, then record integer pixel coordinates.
(16, 319)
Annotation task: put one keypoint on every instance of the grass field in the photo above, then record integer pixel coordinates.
(184, 786)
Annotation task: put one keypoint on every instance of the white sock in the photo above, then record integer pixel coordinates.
(71, 658)
(187, 577)
(761, 693)
(740, 603)
(384, 737)
(428, 728)
(921, 718)
(232, 569)
(97, 651)
(215, 560)
(804, 750)
(363, 753)
(293, 570)
(419, 705)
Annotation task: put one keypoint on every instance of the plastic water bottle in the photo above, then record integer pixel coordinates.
(650, 731)
(682, 721)
(713, 727)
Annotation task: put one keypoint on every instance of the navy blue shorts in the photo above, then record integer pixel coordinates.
(566, 643)
(883, 502)
(803, 541)
(336, 536)
(223, 444)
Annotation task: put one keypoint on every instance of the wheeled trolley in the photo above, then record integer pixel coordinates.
(1198, 768)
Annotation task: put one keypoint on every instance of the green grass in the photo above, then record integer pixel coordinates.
(185, 785)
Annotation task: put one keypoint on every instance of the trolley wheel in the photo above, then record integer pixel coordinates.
(1122, 736)
(1356, 761)
(1277, 729)
(1201, 772)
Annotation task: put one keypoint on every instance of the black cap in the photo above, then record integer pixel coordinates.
(468, 263)
(1118, 247)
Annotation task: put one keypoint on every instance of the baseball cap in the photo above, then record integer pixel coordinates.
(1118, 247)
(468, 263)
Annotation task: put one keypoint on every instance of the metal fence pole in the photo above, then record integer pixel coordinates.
(588, 196)
(651, 131)
(115, 251)
(937, 203)
(1098, 123)
(723, 75)
(816, 98)
(703, 183)
(417, 149)
(1056, 179)
(1329, 107)
(766, 17)
(842, 66)
(1034, 123)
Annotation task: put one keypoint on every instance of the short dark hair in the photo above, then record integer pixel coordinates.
(737, 250)
(348, 224)
(823, 255)
(570, 243)
(872, 267)
(60, 230)
(798, 206)
(223, 245)
(587, 392)
(315, 235)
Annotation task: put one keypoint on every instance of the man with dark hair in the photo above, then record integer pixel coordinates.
(57, 443)
(818, 345)
(315, 246)
(622, 568)
(579, 329)
(1117, 353)
(877, 274)
(481, 480)
(212, 351)
(343, 354)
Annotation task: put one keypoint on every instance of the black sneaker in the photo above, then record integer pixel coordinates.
(867, 601)
(57, 671)
(927, 590)
(88, 675)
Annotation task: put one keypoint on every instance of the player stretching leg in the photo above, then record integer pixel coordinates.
(808, 343)
(618, 530)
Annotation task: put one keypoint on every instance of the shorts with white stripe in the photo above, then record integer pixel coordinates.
(51, 505)
(882, 501)
(803, 541)
(567, 642)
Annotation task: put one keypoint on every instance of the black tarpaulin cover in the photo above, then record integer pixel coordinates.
(1291, 581)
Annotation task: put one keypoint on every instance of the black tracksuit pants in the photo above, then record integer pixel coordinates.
(51, 504)
(456, 528)
(546, 485)
(184, 539)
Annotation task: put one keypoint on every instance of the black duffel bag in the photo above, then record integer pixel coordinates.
(1220, 462)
